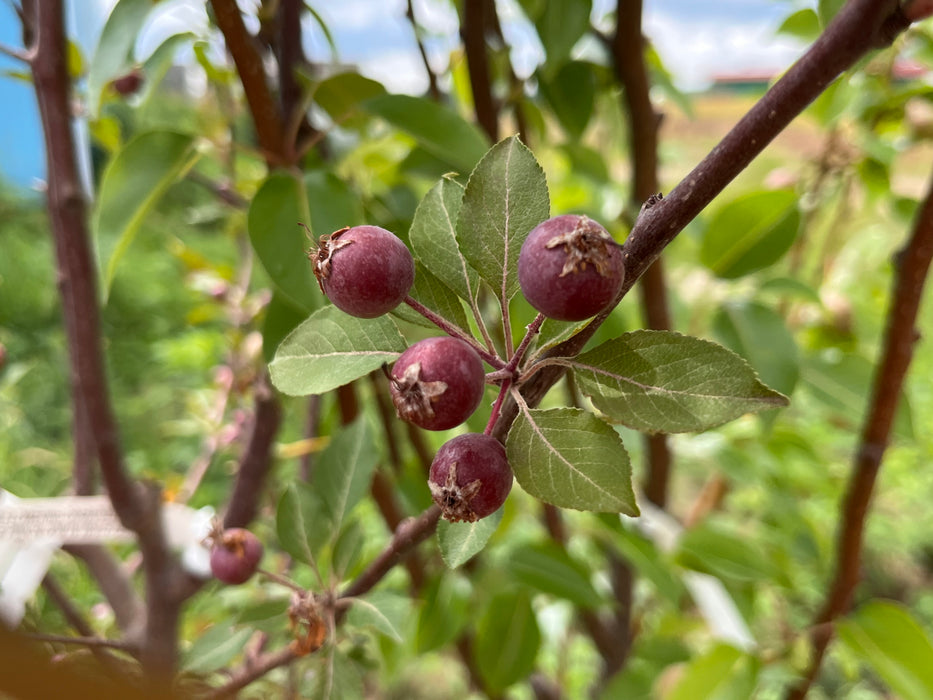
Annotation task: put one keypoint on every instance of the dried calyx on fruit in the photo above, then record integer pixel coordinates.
(235, 554)
(437, 383)
(570, 268)
(470, 477)
(365, 271)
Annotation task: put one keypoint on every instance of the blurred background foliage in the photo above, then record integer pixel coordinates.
(791, 267)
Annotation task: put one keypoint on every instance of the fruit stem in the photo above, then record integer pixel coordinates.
(497, 406)
(491, 359)
(282, 580)
(530, 332)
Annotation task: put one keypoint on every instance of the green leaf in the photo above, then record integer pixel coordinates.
(507, 640)
(570, 458)
(642, 554)
(723, 673)
(554, 332)
(660, 381)
(750, 233)
(829, 9)
(571, 94)
(505, 198)
(343, 94)
(344, 471)
(330, 349)
(440, 130)
(803, 24)
(160, 61)
(724, 555)
(758, 334)
(383, 611)
(550, 569)
(890, 640)
(434, 294)
(560, 24)
(337, 676)
(215, 649)
(433, 237)
(321, 201)
(132, 184)
(281, 318)
(444, 614)
(842, 382)
(459, 542)
(347, 549)
(300, 523)
(114, 54)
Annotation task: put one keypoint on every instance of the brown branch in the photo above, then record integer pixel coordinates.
(408, 535)
(249, 65)
(87, 641)
(258, 458)
(137, 508)
(474, 45)
(433, 90)
(628, 51)
(256, 669)
(912, 268)
(115, 584)
(312, 428)
(860, 26)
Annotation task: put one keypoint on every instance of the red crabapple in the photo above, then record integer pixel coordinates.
(437, 383)
(570, 268)
(470, 477)
(365, 271)
(235, 555)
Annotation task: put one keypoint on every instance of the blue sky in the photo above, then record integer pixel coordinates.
(696, 38)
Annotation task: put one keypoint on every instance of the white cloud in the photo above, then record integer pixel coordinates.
(696, 51)
(400, 71)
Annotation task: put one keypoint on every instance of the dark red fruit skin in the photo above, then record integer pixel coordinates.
(481, 480)
(428, 404)
(129, 83)
(235, 555)
(365, 271)
(570, 295)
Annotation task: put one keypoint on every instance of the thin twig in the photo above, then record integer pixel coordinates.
(256, 669)
(433, 90)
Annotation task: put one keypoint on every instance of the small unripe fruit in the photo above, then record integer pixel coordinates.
(470, 477)
(570, 268)
(365, 271)
(235, 555)
(437, 383)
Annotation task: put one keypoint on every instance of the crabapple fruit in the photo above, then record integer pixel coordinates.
(470, 477)
(235, 555)
(365, 271)
(437, 383)
(570, 268)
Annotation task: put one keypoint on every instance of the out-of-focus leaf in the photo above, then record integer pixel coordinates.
(550, 569)
(660, 381)
(445, 611)
(438, 129)
(300, 523)
(215, 649)
(344, 470)
(132, 184)
(330, 349)
(505, 198)
(722, 673)
(829, 9)
(343, 94)
(114, 54)
(281, 318)
(571, 93)
(572, 459)
(803, 24)
(560, 24)
(750, 233)
(724, 555)
(889, 639)
(383, 611)
(758, 334)
(507, 640)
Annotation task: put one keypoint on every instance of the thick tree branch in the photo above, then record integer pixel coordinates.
(249, 65)
(912, 267)
(137, 508)
(860, 26)
(474, 44)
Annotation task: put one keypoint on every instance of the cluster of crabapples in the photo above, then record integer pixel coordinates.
(569, 269)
